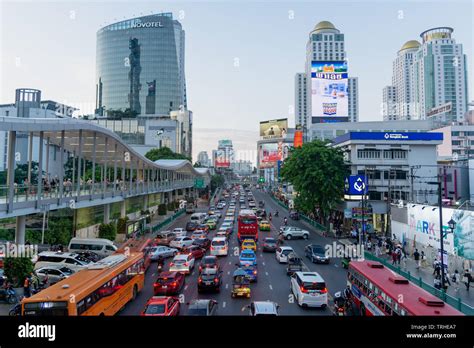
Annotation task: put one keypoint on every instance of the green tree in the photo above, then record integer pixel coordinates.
(217, 181)
(198, 165)
(59, 230)
(122, 225)
(164, 153)
(17, 269)
(317, 173)
(107, 231)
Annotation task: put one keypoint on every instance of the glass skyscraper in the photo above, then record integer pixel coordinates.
(140, 67)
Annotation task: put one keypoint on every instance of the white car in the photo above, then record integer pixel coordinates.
(290, 232)
(259, 308)
(309, 289)
(182, 263)
(179, 232)
(53, 273)
(161, 251)
(282, 253)
(221, 233)
(199, 234)
(181, 242)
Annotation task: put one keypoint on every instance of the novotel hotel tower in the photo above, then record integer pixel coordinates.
(140, 67)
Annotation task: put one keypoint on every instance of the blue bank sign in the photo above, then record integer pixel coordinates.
(356, 185)
(396, 136)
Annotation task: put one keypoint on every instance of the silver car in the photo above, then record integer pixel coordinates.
(54, 274)
(161, 251)
(290, 232)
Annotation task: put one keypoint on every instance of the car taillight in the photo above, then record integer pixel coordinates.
(199, 280)
(186, 264)
(216, 280)
(341, 309)
(255, 272)
(303, 290)
(325, 290)
(173, 284)
(172, 264)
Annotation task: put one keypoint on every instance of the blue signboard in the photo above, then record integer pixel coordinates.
(390, 136)
(356, 185)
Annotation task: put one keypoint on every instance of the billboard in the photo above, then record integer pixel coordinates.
(274, 128)
(270, 154)
(329, 89)
(298, 139)
(221, 159)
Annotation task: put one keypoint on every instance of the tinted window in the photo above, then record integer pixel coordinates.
(155, 309)
(314, 286)
(218, 243)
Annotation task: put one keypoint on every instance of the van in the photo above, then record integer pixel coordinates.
(310, 290)
(74, 261)
(100, 246)
(219, 246)
(198, 217)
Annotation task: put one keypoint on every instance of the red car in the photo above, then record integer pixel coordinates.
(168, 283)
(203, 227)
(161, 306)
(197, 251)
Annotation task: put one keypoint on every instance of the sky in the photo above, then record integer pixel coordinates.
(241, 56)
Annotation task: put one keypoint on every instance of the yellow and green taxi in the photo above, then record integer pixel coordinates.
(212, 224)
(249, 244)
(264, 225)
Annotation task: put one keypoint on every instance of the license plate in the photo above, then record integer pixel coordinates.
(164, 287)
(208, 283)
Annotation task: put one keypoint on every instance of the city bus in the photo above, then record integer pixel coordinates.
(103, 288)
(141, 245)
(379, 291)
(247, 225)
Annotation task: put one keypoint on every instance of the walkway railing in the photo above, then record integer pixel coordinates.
(168, 220)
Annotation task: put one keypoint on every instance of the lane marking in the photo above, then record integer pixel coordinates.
(230, 262)
(223, 304)
(266, 273)
(192, 273)
(270, 286)
(263, 263)
(228, 272)
(185, 287)
(227, 286)
(153, 274)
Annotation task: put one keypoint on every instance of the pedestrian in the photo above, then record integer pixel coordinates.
(394, 257)
(456, 280)
(416, 257)
(423, 258)
(26, 287)
(399, 254)
(437, 282)
(467, 279)
(436, 267)
(34, 281)
(378, 252)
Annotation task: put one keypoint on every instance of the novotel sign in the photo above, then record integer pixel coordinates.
(147, 25)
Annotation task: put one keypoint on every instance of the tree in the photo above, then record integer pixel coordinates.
(164, 153)
(217, 180)
(198, 165)
(317, 173)
(107, 231)
(17, 269)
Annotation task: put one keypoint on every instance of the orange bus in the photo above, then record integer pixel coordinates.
(142, 245)
(379, 291)
(103, 288)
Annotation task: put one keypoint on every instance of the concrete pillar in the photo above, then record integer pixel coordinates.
(145, 202)
(106, 213)
(20, 229)
(123, 209)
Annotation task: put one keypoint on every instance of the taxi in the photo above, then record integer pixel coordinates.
(249, 244)
(211, 224)
(161, 306)
(247, 258)
(264, 225)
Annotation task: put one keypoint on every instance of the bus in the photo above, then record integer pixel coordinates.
(141, 245)
(379, 291)
(103, 288)
(247, 225)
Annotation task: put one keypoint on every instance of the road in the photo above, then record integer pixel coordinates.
(273, 283)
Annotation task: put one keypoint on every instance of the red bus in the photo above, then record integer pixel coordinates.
(379, 291)
(247, 225)
(141, 245)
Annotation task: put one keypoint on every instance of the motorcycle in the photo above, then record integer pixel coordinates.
(340, 304)
(8, 295)
(15, 310)
(276, 213)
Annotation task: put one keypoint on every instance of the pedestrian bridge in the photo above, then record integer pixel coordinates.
(123, 171)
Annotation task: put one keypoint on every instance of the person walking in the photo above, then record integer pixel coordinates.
(26, 287)
(416, 257)
(437, 267)
(467, 279)
(394, 257)
(399, 254)
(456, 280)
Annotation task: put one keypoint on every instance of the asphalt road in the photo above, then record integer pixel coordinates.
(273, 284)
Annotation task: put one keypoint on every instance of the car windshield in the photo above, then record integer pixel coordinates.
(248, 220)
(247, 255)
(65, 270)
(286, 251)
(155, 309)
(197, 311)
(179, 261)
(314, 286)
(207, 261)
(270, 240)
(165, 280)
(218, 243)
(318, 250)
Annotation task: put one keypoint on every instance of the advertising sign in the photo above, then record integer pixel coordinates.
(269, 154)
(356, 185)
(274, 128)
(439, 110)
(298, 139)
(199, 183)
(329, 89)
(222, 159)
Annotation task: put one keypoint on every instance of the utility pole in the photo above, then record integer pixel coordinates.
(441, 234)
(411, 185)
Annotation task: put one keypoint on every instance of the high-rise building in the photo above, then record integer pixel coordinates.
(223, 157)
(330, 95)
(389, 104)
(140, 67)
(203, 159)
(301, 105)
(439, 76)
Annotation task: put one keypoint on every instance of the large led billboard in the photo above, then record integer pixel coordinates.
(329, 89)
(274, 128)
(222, 159)
(269, 154)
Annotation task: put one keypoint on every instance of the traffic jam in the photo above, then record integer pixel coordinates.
(232, 259)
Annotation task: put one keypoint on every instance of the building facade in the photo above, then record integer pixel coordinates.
(140, 67)
(389, 104)
(203, 159)
(301, 101)
(439, 76)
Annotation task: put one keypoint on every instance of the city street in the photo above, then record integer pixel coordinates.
(273, 283)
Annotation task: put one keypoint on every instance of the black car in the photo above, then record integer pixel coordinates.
(209, 279)
(191, 226)
(316, 253)
(261, 204)
(294, 215)
(202, 307)
(269, 244)
(204, 243)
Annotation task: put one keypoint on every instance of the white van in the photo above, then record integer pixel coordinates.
(198, 217)
(310, 290)
(219, 246)
(100, 246)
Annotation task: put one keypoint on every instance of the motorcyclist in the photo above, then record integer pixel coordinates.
(160, 263)
(270, 216)
(276, 213)
(347, 293)
(281, 238)
(285, 221)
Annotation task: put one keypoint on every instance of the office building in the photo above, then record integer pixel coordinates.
(242, 167)
(301, 105)
(389, 104)
(223, 157)
(203, 159)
